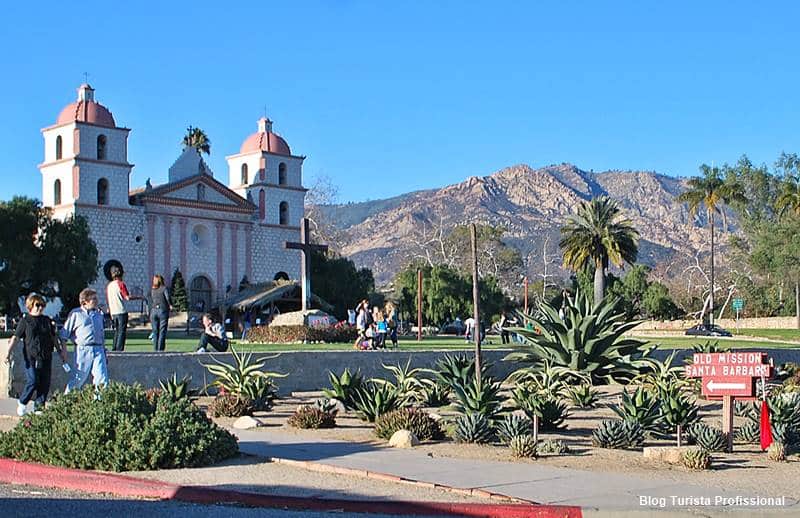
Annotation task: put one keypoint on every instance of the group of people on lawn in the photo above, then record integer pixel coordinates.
(374, 325)
(84, 327)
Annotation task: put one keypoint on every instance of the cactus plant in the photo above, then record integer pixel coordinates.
(512, 426)
(616, 434)
(552, 447)
(523, 446)
(697, 458)
(776, 452)
(473, 428)
(708, 437)
(312, 417)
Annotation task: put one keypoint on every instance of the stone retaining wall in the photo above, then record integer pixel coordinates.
(308, 370)
(727, 323)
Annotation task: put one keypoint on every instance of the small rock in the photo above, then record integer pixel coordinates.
(246, 421)
(339, 406)
(403, 439)
(668, 454)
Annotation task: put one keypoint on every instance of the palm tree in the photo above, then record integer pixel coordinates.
(789, 200)
(197, 138)
(597, 235)
(712, 191)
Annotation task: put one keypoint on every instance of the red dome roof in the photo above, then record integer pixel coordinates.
(265, 141)
(85, 109)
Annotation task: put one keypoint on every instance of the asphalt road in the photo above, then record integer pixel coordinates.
(30, 502)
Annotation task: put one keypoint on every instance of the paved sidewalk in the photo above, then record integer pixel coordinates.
(529, 481)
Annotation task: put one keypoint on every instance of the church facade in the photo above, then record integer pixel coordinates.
(215, 233)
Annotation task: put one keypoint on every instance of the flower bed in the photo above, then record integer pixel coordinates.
(338, 333)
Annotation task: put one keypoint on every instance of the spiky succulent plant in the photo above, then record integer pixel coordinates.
(523, 447)
(641, 406)
(552, 447)
(513, 425)
(583, 395)
(776, 452)
(708, 437)
(697, 458)
(618, 434)
(749, 432)
(473, 428)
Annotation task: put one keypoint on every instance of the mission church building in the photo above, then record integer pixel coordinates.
(216, 234)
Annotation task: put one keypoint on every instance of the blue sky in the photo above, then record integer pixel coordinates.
(385, 98)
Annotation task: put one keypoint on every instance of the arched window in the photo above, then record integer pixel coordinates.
(281, 276)
(262, 201)
(282, 174)
(284, 213)
(244, 174)
(101, 147)
(59, 147)
(201, 192)
(102, 191)
(57, 192)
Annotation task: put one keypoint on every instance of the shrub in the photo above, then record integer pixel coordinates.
(344, 387)
(473, 428)
(512, 426)
(300, 334)
(120, 431)
(523, 446)
(227, 404)
(310, 416)
(416, 421)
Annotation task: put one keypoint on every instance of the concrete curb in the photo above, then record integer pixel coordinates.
(26, 473)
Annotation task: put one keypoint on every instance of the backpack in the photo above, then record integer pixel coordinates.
(38, 342)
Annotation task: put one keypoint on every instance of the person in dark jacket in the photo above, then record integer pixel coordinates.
(38, 335)
(160, 306)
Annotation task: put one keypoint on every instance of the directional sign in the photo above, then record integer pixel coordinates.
(737, 304)
(741, 387)
(730, 358)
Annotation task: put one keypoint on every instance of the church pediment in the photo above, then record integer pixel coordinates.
(199, 191)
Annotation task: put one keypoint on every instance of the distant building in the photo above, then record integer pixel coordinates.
(216, 234)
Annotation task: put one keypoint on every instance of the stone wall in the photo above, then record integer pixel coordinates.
(308, 371)
(727, 323)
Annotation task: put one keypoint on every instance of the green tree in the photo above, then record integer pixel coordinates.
(197, 138)
(177, 291)
(657, 304)
(711, 190)
(598, 236)
(68, 259)
(20, 220)
(337, 281)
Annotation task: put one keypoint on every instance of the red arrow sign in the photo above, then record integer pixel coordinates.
(735, 386)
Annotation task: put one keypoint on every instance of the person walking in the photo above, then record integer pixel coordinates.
(392, 320)
(38, 335)
(84, 327)
(504, 335)
(362, 309)
(160, 307)
(117, 294)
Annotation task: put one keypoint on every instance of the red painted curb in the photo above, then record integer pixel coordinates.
(17, 472)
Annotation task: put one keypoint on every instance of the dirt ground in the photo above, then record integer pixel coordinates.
(746, 469)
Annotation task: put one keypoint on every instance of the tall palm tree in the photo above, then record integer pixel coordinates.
(789, 201)
(197, 138)
(711, 190)
(598, 235)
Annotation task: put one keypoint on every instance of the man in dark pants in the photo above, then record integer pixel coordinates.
(117, 294)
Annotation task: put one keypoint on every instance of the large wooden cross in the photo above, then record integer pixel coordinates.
(305, 246)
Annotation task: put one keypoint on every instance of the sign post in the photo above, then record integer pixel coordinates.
(737, 305)
(728, 375)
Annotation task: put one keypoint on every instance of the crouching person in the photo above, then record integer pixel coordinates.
(38, 335)
(213, 335)
(84, 327)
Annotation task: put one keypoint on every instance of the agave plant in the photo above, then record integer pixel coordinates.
(478, 397)
(785, 417)
(434, 393)
(548, 408)
(657, 374)
(176, 389)
(407, 382)
(708, 437)
(452, 370)
(710, 347)
(677, 408)
(473, 428)
(546, 377)
(245, 376)
(588, 339)
(582, 396)
(749, 432)
(344, 387)
(512, 426)
(375, 399)
(642, 406)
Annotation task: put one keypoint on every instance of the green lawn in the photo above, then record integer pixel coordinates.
(778, 334)
(178, 341)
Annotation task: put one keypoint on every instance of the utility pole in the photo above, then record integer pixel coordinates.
(525, 295)
(419, 304)
(473, 234)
